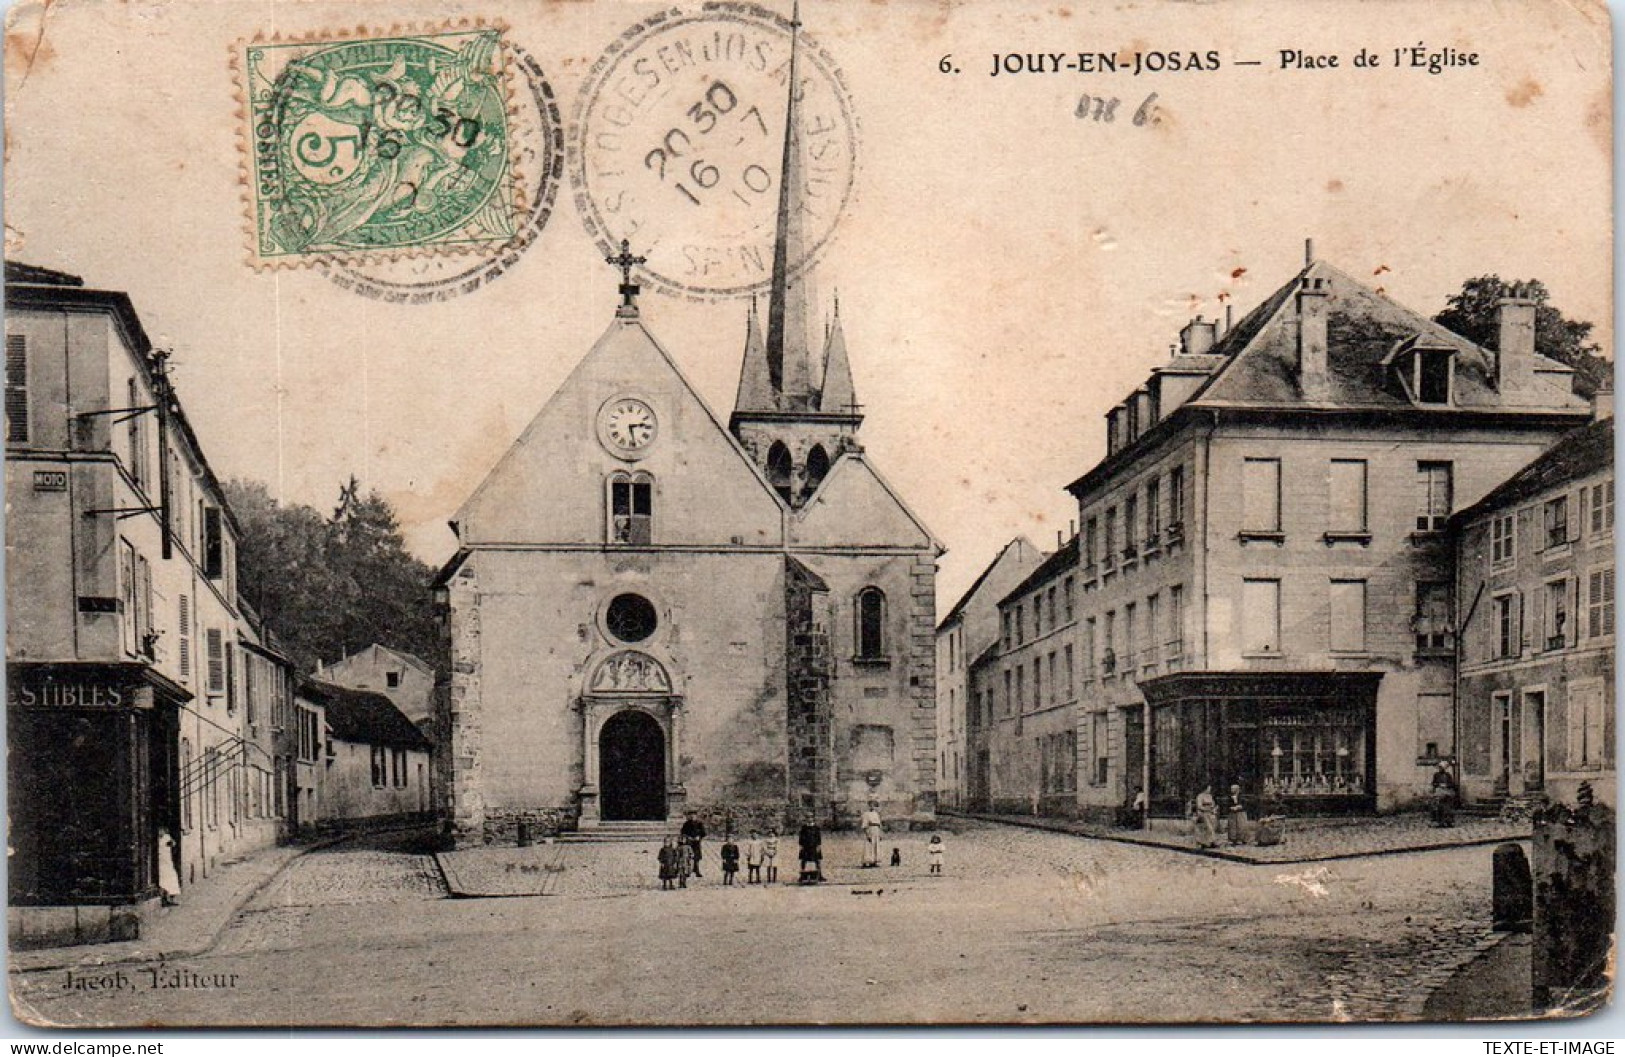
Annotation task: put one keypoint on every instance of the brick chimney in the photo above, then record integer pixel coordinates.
(1314, 379)
(1515, 343)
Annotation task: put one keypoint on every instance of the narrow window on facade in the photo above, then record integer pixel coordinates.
(1261, 616)
(1006, 617)
(1038, 682)
(1101, 754)
(1600, 603)
(1021, 625)
(1109, 558)
(1091, 540)
(1506, 626)
(380, 767)
(1557, 614)
(1348, 616)
(1432, 496)
(1153, 628)
(1021, 689)
(400, 768)
(1176, 623)
(1067, 601)
(1176, 497)
(128, 589)
(1588, 748)
(1261, 496)
(188, 784)
(1557, 521)
(631, 508)
(1432, 615)
(1503, 537)
(16, 389)
(229, 656)
(1131, 526)
(1038, 614)
(1153, 512)
(1602, 507)
(137, 436)
(1348, 497)
(870, 619)
(1088, 649)
(1127, 661)
(1053, 622)
(1108, 660)
(1071, 673)
(1054, 678)
(214, 565)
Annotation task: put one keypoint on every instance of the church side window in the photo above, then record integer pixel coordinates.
(631, 509)
(870, 618)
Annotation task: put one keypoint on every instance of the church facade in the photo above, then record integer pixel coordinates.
(652, 612)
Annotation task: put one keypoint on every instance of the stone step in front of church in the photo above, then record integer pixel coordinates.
(620, 831)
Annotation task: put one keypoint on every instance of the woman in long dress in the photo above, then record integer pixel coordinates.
(1207, 818)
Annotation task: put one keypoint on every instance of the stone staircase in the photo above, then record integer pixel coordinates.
(619, 832)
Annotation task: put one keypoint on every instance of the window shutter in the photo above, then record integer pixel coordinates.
(216, 644)
(184, 634)
(16, 389)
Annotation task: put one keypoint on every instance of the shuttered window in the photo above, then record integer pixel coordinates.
(1348, 616)
(1348, 496)
(215, 640)
(1600, 604)
(1261, 616)
(16, 389)
(1433, 488)
(184, 634)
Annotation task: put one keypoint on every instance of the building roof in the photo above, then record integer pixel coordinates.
(411, 660)
(18, 272)
(364, 716)
(1057, 563)
(1581, 453)
(970, 592)
(1254, 366)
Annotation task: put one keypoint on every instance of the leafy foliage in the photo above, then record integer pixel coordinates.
(329, 586)
(1472, 314)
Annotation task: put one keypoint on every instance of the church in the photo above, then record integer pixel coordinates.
(653, 613)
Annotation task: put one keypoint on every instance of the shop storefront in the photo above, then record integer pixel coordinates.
(92, 779)
(1298, 742)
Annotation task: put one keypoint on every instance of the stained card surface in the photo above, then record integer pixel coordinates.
(734, 513)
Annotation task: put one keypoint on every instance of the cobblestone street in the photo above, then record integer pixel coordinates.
(1023, 926)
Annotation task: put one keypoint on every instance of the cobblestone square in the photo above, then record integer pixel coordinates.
(1023, 926)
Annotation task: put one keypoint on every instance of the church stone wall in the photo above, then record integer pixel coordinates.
(883, 715)
(540, 636)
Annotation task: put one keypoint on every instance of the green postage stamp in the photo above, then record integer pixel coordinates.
(361, 148)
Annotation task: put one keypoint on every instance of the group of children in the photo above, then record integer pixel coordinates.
(679, 859)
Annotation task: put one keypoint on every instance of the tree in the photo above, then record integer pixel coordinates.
(328, 586)
(1472, 314)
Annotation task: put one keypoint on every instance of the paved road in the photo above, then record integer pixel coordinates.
(1024, 926)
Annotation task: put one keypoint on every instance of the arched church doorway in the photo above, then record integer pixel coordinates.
(632, 768)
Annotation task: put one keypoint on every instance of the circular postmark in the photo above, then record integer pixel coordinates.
(678, 145)
(538, 138)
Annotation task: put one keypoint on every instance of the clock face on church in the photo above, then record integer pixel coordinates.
(626, 426)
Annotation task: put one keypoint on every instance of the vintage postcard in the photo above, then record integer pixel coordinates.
(740, 512)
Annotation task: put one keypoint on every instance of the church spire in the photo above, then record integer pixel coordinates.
(788, 357)
(839, 397)
(755, 378)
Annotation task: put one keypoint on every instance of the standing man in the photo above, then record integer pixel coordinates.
(693, 833)
(1444, 796)
(811, 840)
(872, 829)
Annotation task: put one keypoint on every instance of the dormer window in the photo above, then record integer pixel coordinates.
(1426, 371)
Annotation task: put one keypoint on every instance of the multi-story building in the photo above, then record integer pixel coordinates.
(1264, 573)
(1034, 735)
(982, 681)
(133, 763)
(310, 754)
(1535, 594)
(970, 627)
(404, 678)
